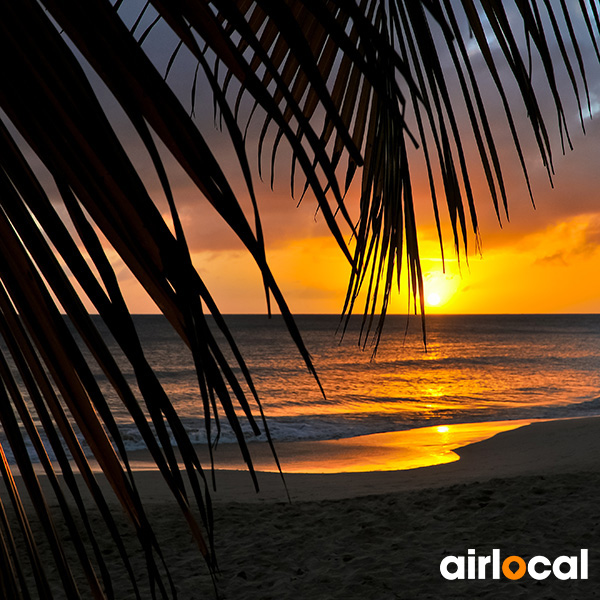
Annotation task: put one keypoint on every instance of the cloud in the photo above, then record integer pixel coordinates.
(573, 240)
(554, 259)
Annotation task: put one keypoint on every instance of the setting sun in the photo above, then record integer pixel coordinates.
(440, 288)
(433, 299)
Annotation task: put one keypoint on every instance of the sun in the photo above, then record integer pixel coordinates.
(440, 288)
(433, 299)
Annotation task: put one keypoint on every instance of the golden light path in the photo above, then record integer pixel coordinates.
(393, 451)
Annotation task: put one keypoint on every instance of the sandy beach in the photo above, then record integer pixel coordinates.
(382, 535)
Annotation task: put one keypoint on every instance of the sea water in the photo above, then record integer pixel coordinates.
(472, 368)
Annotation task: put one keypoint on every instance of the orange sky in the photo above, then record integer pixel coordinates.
(544, 260)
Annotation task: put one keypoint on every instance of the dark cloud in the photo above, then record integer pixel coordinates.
(553, 260)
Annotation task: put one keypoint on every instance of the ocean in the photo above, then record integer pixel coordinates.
(475, 368)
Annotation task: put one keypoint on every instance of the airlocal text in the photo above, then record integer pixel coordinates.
(514, 567)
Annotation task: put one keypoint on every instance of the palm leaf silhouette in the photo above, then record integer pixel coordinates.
(354, 89)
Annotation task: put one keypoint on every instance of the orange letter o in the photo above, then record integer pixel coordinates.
(516, 574)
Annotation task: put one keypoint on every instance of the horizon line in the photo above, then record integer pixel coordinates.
(411, 315)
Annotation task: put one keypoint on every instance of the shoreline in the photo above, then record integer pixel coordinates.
(388, 451)
(540, 448)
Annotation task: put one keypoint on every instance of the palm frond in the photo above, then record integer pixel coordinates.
(354, 88)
